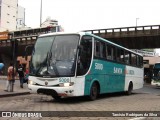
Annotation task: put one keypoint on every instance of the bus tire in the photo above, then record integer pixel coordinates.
(93, 91)
(130, 88)
(57, 98)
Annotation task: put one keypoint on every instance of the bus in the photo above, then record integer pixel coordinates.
(82, 64)
(156, 75)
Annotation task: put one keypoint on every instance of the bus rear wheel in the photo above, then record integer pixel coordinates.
(93, 91)
(130, 89)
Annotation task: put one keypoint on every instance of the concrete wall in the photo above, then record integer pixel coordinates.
(152, 60)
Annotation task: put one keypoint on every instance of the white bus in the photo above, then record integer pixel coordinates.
(82, 64)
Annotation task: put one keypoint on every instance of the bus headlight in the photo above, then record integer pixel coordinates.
(66, 84)
(31, 82)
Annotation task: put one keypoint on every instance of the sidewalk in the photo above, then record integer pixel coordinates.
(17, 90)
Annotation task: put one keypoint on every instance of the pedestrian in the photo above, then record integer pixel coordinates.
(11, 73)
(21, 74)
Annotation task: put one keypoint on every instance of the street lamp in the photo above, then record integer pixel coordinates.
(136, 21)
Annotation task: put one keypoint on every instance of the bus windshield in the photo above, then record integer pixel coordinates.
(54, 56)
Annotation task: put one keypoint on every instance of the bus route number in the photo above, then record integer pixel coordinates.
(98, 66)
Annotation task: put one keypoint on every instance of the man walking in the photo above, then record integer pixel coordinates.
(21, 74)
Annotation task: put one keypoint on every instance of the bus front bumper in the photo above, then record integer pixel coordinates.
(53, 91)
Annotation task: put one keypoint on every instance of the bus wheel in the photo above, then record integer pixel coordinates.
(57, 98)
(93, 91)
(130, 88)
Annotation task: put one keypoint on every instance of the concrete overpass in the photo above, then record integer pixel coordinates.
(135, 37)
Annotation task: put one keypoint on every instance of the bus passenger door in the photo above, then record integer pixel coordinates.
(85, 55)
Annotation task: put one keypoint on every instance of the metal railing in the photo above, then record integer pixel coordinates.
(127, 31)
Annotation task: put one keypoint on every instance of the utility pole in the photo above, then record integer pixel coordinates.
(14, 44)
(136, 21)
(41, 14)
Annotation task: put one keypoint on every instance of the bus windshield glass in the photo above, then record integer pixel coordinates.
(54, 56)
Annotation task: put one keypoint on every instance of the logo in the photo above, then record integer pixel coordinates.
(46, 82)
(117, 70)
(6, 114)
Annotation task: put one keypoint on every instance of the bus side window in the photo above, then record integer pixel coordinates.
(122, 56)
(133, 59)
(118, 55)
(102, 50)
(109, 51)
(127, 57)
(141, 61)
(113, 53)
(97, 48)
(138, 61)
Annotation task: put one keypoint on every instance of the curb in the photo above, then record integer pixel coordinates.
(11, 94)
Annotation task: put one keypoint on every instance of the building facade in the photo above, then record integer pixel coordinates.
(12, 16)
(21, 18)
(49, 22)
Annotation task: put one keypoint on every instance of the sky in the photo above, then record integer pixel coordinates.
(79, 15)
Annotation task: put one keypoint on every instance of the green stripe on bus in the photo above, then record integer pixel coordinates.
(110, 76)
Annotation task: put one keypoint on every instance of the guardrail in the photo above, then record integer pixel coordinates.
(127, 31)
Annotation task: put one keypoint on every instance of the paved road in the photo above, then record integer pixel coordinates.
(149, 89)
(146, 99)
